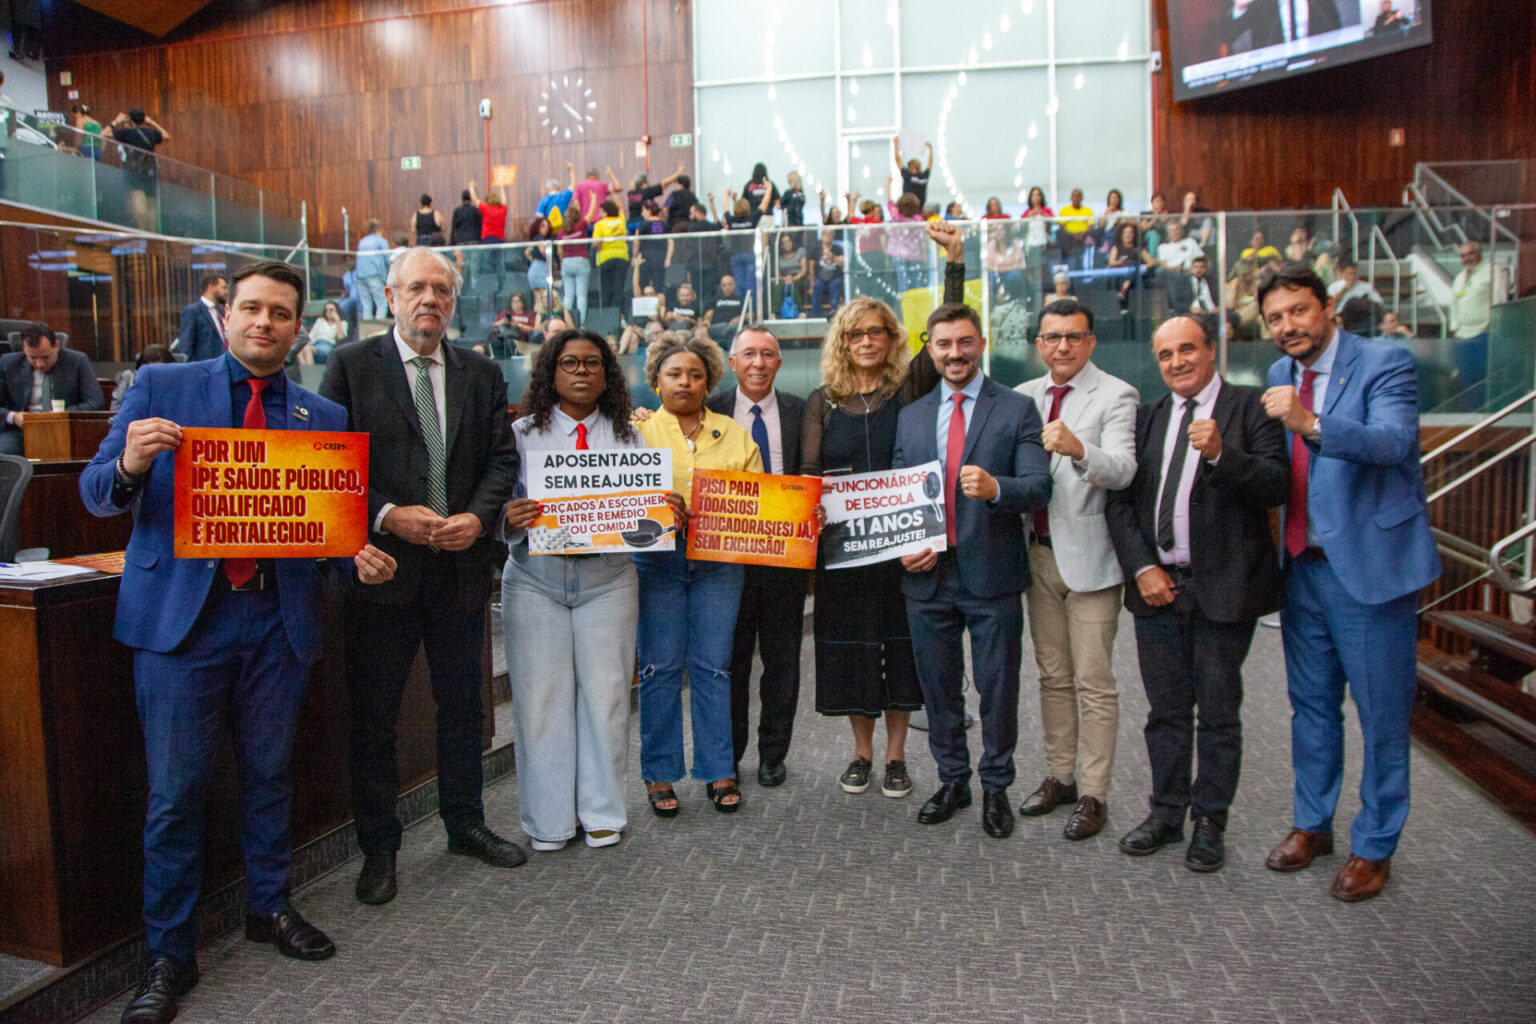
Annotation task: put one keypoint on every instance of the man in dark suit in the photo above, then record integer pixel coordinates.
(202, 322)
(442, 464)
(43, 372)
(772, 613)
(1190, 291)
(1192, 536)
(987, 439)
(1358, 550)
(215, 639)
(1258, 23)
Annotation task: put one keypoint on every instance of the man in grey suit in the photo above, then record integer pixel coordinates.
(772, 613)
(987, 440)
(44, 371)
(1074, 603)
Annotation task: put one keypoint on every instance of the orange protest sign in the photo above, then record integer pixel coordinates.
(753, 518)
(270, 493)
(504, 174)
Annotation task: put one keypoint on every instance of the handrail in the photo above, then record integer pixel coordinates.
(1422, 169)
(1481, 468)
(1431, 220)
(1341, 203)
(1486, 421)
(1525, 587)
(1459, 548)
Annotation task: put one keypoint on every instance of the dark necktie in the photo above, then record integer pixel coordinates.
(432, 434)
(1301, 456)
(218, 321)
(760, 435)
(1058, 393)
(1290, 12)
(1170, 496)
(581, 437)
(954, 451)
(240, 570)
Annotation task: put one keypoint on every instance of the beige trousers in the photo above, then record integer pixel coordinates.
(1074, 637)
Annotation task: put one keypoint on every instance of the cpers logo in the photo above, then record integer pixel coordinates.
(330, 446)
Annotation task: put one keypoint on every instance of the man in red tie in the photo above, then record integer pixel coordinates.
(1357, 550)
(987, 439)
(1074, 602)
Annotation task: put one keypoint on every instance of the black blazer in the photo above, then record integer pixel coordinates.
(198, 338)
(1181, 293)
(368, 378)
(791, 413)
(1263, 18)
(1232, 551)
(72, 379)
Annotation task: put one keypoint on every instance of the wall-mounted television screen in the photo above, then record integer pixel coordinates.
(1220, 45)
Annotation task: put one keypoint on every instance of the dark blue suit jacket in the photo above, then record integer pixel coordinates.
(199, 335)
(72, 378)
(161, 595)
(1365, 490)
(1003, 438)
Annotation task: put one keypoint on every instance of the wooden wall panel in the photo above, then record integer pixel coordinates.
(1467, 96)
(321, 100)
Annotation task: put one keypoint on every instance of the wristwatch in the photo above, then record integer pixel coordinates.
(1315, 435)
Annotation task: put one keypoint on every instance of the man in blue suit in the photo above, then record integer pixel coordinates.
(1358, 549)
(215, 639)
(202, 322)
(987, 438)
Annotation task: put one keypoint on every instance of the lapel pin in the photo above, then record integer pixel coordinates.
(300, 412)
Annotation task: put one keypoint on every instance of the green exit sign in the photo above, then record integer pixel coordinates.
(410, 163)
(682, 140)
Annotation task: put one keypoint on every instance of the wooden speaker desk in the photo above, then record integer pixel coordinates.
(62, 436)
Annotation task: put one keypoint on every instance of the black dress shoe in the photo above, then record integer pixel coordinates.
(771, 774)
(942, 805)
(481, 843)
(1150, 836)
(376, 882)
(291, 934)
(1207, 850)
(165, 981)
(996, 815)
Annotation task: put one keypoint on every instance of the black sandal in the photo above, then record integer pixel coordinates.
(658, 795)
(719, 791)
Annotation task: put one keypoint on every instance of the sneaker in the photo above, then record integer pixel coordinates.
(603, 837)
(897, 782)
(548, 845)
(856, 778)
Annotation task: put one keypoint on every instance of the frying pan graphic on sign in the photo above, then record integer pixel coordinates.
(645, 533)
(933, 487)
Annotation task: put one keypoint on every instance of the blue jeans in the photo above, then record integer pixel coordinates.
(576, 273)
(371, 297)
(744, 270)
(824, 290)
(688, 619)
(569, 625)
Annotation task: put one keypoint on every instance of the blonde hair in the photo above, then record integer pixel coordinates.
(741, 209)
(837, 362)
(794, 179)
(670, 343)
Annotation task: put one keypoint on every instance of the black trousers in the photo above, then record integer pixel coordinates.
(771, 619)
(1190, 663)
(382, 641)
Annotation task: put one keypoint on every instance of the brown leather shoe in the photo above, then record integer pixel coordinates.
(1088, 818)
(1297, 850)
(1360, 879)
(1051, 795)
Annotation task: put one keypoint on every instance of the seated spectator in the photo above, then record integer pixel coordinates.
(1303, 249)
(791, 277)
(954, 211)
(1037, 215)
(682, 312)
(1128, 252)
(1006, 259)
(1392, 327)
(1076, 219)
(1349, 286)
(328, 331)
(827, 290)
(1190, 291)
(1061, 288)
(514, 325)
(1389, 20)
(1201, 228)
(642, 329)
(723, 318)
(1259, 250)
(829, 214)
(905, 241)
(994, 208)
(931, 212)
(1010, 320)
(1152, 224)
(124, 378)
(1176, 254)
(1360, 315)
(1103, 232)
(1242, 301)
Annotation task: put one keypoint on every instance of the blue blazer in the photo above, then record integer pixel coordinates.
(1003, 438)
(1365, 490)
(199, 335)
(161, 595)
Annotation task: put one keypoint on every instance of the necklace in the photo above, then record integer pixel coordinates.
(688, 437)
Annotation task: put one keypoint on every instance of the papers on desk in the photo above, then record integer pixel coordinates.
(39, 572)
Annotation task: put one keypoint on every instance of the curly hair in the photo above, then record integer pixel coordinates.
(670, 343)
(837, 362)
(540, 399)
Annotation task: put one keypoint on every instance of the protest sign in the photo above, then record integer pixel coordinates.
(753, 518)
(601, 501)
(874, 517)
(270, 493)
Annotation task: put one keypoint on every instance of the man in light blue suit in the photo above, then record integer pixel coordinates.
(215, 640)
(1358, 550)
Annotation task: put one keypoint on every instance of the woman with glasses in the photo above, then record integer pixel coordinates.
(569, 621)
(689, 616)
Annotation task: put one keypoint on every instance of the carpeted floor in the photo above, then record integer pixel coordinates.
(812, 905)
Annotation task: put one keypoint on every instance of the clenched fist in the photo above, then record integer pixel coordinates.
(1059, 440)
(1282, 404)
(1205, 438)
(975, 482)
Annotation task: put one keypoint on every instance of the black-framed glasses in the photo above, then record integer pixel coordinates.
(873, 333)
(1074, 338)
(570, 364)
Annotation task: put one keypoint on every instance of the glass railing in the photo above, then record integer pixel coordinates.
(82, 174)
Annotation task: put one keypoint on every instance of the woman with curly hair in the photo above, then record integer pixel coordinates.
(574, 617)
(689, 616)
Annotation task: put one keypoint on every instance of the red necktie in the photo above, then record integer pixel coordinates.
(218, 321)
(954, 451)
(1058, 394)
(1296, 507)
(240, 570)
(581, 437)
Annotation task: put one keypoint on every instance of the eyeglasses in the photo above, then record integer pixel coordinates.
(1074, 339)
(570, 364)
(872, 333)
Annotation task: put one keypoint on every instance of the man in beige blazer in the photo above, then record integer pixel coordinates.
(1074, 604)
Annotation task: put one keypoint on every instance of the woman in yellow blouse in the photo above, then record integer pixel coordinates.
(612, 256)
(688, 608)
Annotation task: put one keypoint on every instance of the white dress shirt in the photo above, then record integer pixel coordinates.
(946, 409)
(1205, 405)
(213, 314)
(437, 371)
(770, 410)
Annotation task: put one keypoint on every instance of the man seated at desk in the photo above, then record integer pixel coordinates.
(42, 373)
